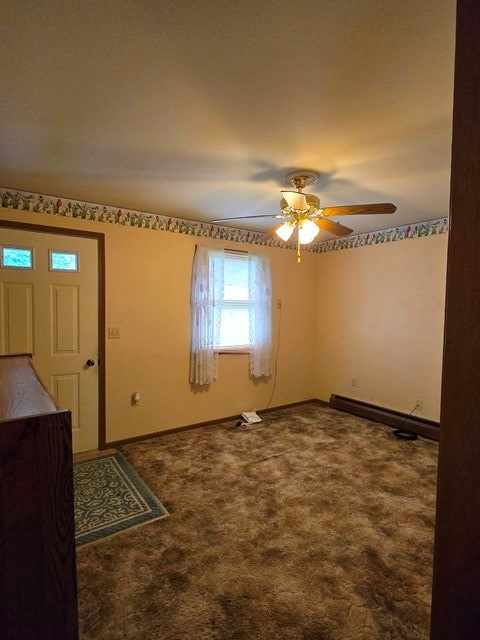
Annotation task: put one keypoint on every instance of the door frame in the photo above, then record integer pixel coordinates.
(456, 565)
(100, 239)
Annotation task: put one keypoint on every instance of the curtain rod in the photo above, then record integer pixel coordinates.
(228, 250)
(235, 251)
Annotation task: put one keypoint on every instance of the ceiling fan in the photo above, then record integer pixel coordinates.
(302, 212)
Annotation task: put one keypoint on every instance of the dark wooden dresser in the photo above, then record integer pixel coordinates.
(38, 593)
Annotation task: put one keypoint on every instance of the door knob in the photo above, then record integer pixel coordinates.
(90, 362)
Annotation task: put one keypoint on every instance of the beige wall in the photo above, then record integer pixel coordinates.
(148, 297)
(372, 313)
(380, 314)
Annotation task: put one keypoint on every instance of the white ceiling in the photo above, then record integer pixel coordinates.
(198, 108)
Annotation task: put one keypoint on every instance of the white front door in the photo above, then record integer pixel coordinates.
(49, 307)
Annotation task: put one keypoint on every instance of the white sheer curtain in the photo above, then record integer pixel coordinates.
(260, 283)
(207, 294)
(207, 269)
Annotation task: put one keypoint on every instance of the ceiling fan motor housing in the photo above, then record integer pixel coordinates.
(301, 179)
(312, 201)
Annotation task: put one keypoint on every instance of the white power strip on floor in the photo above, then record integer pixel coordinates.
(251, 417)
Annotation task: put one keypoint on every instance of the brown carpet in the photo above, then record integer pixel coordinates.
(314, 525)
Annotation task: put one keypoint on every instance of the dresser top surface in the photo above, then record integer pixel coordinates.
(21, 392)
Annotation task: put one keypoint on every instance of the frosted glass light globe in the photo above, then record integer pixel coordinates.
(285, 231)
(307, 231)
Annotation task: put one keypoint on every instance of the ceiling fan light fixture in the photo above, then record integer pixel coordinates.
(307, 231)
(285, 230)
(302, 211)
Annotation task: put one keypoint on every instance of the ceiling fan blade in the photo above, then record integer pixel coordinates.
(295, 200)
(333, 227)
(271, 233)
(360, 209)
(268, 215)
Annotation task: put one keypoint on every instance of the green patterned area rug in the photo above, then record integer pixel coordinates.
(110, 497)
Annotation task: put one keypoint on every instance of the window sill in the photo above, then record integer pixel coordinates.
(232, 350)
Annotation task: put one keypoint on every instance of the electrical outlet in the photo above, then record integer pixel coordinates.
(419, 406)
(279, 303)
(354, 382)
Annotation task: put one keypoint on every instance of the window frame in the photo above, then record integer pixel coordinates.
(65, 252)
(207, 279)
(249, 304)
(21, 248)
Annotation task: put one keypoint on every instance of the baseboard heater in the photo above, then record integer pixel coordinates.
(396, 419)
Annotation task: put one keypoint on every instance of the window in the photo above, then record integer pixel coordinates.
(234, 311)
(63, 261)
(17, 257)
(231, 310)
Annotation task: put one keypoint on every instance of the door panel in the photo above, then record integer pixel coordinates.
(66, 391)
(54, 315)
(17, 318)
(65, 319)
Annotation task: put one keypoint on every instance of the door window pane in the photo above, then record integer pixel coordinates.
(63, 261)
(17, 258)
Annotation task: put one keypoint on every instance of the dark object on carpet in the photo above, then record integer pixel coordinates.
(405, 435)
(318, 526)
(110, 497)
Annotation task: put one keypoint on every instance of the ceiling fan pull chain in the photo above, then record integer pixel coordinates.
(298, 252)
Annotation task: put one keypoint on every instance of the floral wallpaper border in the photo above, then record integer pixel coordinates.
(393, 234)
(39, 203)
